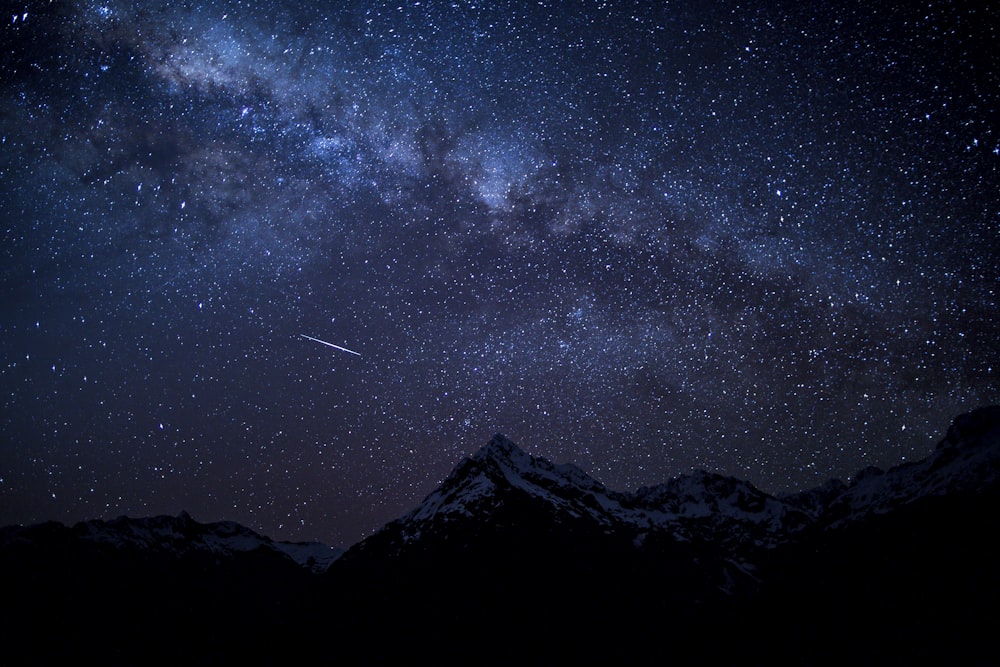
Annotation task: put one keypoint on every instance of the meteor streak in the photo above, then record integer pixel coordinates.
(336, 347)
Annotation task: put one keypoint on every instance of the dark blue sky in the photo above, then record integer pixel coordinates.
(756, 238)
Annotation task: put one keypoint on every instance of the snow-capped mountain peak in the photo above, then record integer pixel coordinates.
(527, 471)
(502, 467)
(502, 449)
(701, 506)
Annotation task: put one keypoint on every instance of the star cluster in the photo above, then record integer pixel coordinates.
(754, 237)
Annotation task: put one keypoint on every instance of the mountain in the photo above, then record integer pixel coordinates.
(700, 507)
(732, 515)
(702, 557)
(158, 589)
(515, 558)
(168, 537)
(966, 461)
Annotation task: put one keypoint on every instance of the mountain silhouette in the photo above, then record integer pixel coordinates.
(515, 558)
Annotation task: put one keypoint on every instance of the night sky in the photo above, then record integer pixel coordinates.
(759, 238)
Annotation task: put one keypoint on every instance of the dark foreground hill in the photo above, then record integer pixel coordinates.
(156, 590)
(514, 558)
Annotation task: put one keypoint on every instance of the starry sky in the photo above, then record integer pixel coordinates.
(758, 238)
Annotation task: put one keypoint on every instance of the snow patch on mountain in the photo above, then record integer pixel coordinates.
(966, 460)
(698, 505)
(704, 506)
(181, 535)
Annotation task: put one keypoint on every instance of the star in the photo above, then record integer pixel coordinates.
(756, 240)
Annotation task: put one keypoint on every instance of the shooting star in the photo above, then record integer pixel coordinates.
(336, 347)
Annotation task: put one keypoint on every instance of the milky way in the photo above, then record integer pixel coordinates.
(756, 238)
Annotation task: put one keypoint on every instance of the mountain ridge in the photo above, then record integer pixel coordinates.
(692, 495)
(708, 560)
(702, 566)
(176, 536)
(703, 505)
